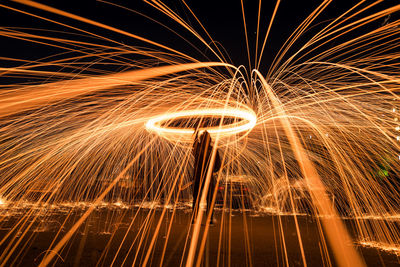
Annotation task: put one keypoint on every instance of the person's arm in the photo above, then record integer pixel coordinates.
(217, 162)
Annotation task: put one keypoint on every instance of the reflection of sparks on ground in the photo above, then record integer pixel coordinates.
(316, 134)
(382, 246)
(14, 209)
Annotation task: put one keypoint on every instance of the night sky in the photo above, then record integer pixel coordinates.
(222, 18)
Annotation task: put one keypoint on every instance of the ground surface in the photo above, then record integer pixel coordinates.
(238, 239)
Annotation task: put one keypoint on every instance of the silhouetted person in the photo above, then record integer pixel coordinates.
(202, 151)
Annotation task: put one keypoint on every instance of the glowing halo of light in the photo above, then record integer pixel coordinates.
(248, 121)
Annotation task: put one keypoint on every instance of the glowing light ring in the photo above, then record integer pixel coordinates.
(249, 118)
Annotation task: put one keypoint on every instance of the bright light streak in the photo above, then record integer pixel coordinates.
(247, 122)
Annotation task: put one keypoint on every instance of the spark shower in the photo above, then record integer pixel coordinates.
(104, 123)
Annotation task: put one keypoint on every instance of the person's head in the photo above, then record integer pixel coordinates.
(204, 136)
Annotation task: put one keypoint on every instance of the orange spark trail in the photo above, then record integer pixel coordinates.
(35, 96)
(338, 236)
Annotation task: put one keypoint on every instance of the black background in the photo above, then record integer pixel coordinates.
(222, 19)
